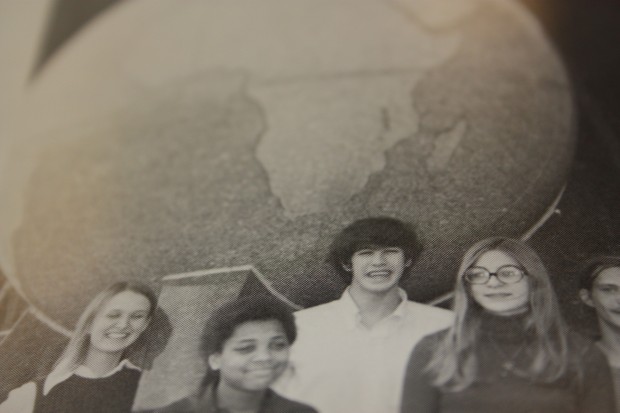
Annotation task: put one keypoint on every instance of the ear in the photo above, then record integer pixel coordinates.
(347, 267)
(586, 297)
(215, 361)
(408, 263)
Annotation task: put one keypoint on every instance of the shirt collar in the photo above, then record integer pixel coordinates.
(56, 378)
(351, 311)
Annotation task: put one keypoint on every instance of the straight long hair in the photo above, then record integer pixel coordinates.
(454, 364)
(79, 343)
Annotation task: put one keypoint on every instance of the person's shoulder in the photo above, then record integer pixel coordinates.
(429, 309)
(185, 405)
(578, 342)
(429, 314)
(281, 404)
(424, 350)
(316, 312)
(129, 371)
(20, 399)
(585, 355)
(433, 339)
(583, 347)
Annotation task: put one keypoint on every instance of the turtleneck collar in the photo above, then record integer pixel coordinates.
(505, 327)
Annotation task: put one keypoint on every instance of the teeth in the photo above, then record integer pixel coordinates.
(379, 273)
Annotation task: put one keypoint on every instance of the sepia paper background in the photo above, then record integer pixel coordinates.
(141, 139)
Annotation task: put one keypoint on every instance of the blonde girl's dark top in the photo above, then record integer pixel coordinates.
(272, 403)
(110, 394)
(504, 351)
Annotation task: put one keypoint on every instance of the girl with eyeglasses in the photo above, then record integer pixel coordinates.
(92, 374)
(508, 349)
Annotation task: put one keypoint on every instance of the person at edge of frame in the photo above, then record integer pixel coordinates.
(600, 289)
(246, 345)
(351, 353)
(509, 349)
(92, 374)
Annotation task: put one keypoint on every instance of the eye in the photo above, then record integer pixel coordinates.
(138, 316)
(245, 349)
(608, 288)
(393, 250)
(510, 271)
(476, 275)
(365, 252)
(280, 345)
(113, 314)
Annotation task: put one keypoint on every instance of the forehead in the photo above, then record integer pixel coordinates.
(128, 301)
(494, 259)
(608, 276)
(256, 330)
(375, 247)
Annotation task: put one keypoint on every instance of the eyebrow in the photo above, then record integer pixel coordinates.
(378, 248)
(245, 340)
(132, 311)
(251, 340)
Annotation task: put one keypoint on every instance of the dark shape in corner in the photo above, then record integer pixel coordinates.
(65, 19)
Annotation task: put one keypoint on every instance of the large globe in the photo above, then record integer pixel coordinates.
(175, 136)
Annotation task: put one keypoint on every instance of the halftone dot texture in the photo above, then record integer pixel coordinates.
(188, 301)
(165, 139)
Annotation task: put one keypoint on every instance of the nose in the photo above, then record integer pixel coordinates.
(123, 322)
(494, 281)
(378, 258)
(262, 354)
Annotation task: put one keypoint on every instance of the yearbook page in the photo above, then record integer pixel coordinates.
(309, 205)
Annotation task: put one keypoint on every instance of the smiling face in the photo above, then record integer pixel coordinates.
(605, 296)
(253, 357)
(120, 322)
(497, 297)
(377, 270)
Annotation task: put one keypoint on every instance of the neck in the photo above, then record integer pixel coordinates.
(515, 327)
(374, 307)
(236, 400)
(610, 342)
(101, 362)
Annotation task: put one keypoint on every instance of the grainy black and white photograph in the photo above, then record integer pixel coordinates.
(309, 206)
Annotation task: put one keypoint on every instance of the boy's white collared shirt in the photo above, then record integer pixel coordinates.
(338, 365)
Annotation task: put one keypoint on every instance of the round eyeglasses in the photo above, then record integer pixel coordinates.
(507, 274)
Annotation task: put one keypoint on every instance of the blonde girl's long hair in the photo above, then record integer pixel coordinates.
(77, 349)
(454, 364)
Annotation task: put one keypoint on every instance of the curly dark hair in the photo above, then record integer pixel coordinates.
(371, 233)
(226, 318)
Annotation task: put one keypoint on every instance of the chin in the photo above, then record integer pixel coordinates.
(257, 386)
(383, 287)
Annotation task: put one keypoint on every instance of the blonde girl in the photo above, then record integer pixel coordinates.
(93, 373)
